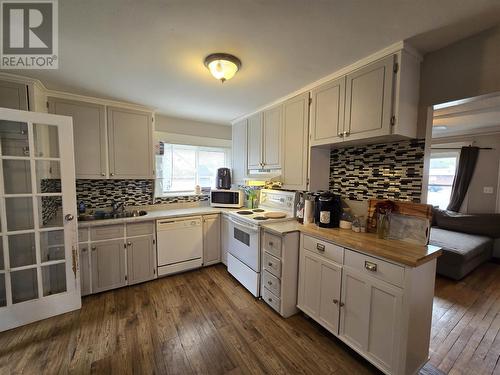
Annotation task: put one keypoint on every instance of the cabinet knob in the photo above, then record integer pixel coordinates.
(340, 135)
(270, 283)
(84, 250)
(270, 299)
(270, 264)
(342, 304)
(346, 133)
(111, 174)
(129, 243)
(103, 174)
(320, 247)
(94, 248)
(271, 243)
(336, 301)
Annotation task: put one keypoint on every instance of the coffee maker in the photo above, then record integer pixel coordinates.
(328, 210)
(223, 178)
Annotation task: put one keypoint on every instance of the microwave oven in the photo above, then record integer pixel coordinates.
(226, 198)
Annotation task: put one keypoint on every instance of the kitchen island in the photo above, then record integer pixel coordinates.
(375, 295)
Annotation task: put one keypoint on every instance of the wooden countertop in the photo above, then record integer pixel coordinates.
(397, 251)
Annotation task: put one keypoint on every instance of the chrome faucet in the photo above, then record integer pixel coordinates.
(117, 206)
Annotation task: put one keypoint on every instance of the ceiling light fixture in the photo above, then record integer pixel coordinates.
(223, 66)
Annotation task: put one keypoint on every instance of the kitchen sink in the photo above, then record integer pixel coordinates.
(111, 215)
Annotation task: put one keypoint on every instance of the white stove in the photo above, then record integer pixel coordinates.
(244, 245)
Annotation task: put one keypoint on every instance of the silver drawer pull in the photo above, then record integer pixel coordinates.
(371, 266)
(320, 247)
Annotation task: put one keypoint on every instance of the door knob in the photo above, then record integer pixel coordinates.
(69, 217)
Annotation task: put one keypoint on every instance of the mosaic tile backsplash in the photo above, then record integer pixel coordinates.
(102, 193)
(383, 171)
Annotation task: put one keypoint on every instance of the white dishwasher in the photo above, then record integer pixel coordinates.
(179, 244)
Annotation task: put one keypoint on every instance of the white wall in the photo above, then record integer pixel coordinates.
(189, 127)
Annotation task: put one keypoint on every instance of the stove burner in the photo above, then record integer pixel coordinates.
(244, 212)
(260, 218)
(258, 210)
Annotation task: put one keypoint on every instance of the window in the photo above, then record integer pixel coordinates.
(182, 167)
(443, 166)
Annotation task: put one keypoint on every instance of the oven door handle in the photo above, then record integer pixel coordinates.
(253, 229)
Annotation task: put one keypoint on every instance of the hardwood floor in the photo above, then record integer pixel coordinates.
(204, 322)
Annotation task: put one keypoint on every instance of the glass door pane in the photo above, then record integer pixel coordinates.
(37, 243)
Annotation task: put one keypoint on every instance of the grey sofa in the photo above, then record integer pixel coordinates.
(467, 241)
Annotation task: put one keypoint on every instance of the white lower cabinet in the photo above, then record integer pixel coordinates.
(280, 262)
(112, 256)
(380, 309)
(319, 289)
(224, 238)
(211, 239)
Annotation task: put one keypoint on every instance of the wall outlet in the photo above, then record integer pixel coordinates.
(488, 189)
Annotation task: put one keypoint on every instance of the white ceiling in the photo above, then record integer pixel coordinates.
(151, 52)
(471, 116)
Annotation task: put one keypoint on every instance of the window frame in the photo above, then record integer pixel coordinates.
(441, 154)
(158, 193)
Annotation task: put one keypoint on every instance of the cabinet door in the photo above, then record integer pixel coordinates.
(224, 239)
(254, 141)
(309, 283)
(108, 265)
(13, 95)
(85, 280)
(141, 260)
(130, 143)
(89, 135)
(272, 138)
(355, 310)
(239, 152)
(384, 324)
(329, 305)
(211, 240)
(369, 100)
(327, 112)
(295, 133)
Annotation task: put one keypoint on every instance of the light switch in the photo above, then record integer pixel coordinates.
(488, 189)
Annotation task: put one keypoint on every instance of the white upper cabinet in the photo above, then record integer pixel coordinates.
(130, 135)
(89, 134)
(295, 137)
(272, 136)
(376, 102)
(368, 106)
(254, 141)
(13, 95)
(239, 152)
(264, 139)
(327, 112)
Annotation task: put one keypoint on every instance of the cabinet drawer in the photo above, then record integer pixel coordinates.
(106, 232)
(139, 229)
(272, 283)
(272, 264)
(83, 234)
(375, 267)
(271, 299)
(327, 249)
(272, 244)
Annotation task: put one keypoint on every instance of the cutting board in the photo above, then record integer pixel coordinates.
(419, 210)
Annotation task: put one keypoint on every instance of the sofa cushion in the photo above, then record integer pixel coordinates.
(461, 247)
(480, 224)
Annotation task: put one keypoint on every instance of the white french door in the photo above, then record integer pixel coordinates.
(39, 275)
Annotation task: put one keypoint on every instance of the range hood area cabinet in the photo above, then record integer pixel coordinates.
(239, 152)
(109, 142)
(264, 140)
(377, 102)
